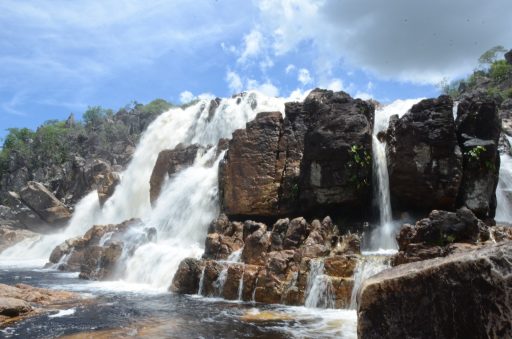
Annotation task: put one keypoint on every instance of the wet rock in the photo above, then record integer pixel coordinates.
(212, 272)
(44, 204)
(429, 237)
(187, 277)
(469, 290)
(257, 243)
(279, 230)
(342, 290)
(224, 237)
(96, 254)
(478, 131)
(296, 233)
(424, 158)
(234, 275)
(168, 163)
(21, 301)
(340, 266)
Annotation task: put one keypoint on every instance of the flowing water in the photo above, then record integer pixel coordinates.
(383, 237)
(504, 189)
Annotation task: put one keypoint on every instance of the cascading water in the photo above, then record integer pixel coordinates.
(504, 190)
(383, 237)
(319, 292)
(368, 266)
(187, 203)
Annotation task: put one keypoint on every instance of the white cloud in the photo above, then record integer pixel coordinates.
(335, 85)
(186, 96)
(363, 95)
(267, 88)
(304, 77)
(418, 41)
(289, 68)
(253, 45)
(234, 82)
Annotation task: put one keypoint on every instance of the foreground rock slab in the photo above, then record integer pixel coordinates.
(464, 295)
(21, 301)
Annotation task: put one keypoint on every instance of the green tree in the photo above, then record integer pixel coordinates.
(490, 56)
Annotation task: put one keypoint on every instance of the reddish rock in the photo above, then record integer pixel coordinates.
(39, 199)
(187, 277)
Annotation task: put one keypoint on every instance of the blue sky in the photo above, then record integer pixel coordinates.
(58, 57)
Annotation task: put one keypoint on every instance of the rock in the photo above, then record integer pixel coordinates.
(278, 167)
(278, 234)
(231, 287)
(21, 301)
(12, 307)
(44, 204)
(340, 266)
(106, 185)
(424, 159)
(478, 132)
(429, 237)
(464, 295)
(249, 176)
(224, 237)
(256, 245)
(96, 254)
(296, 233)
(187, 277)
(336, 167)
(168, 163)
(212, 272)
(10, 236)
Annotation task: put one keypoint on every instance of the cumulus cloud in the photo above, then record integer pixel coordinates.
(290, 68)
(186, 96)
(253, 45)
(418, 41)
(334, 85)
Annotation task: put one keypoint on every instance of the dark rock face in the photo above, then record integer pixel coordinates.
(465, 295)
(336, 167)
(478, 132)
(317, 158)
(274, 266)
(168, 163)
(44, 204)
(424, 159)
(444, 233)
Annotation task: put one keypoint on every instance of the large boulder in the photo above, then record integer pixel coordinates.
(250, 175)
(424, 159)
(187, 277)
(465, 295)
(40, 200)
(316, 159)
(168, 163)
(478, 131)
(336, 167)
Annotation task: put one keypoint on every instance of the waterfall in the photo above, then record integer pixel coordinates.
(319, 292)
(241, 284)
(504, 190)
(368, 266)
(201, 282)
(235, 256)
(188, 201)
(383, 237)
(221, 281)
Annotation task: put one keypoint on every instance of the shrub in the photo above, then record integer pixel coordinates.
(500, 70)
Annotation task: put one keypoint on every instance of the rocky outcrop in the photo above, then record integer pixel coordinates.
(276, 265)
(465, 295)
(96, 254)
(40, 200)
(478, 131)
(508, 57)
(315, 159)
(168, 163)
(444, 233)
(21, 301)
(424, 158)
(250, 175)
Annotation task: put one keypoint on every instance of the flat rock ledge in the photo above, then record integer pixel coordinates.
(464, 295)
(22, 301)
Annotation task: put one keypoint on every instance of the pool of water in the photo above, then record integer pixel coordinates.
(120, 310)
